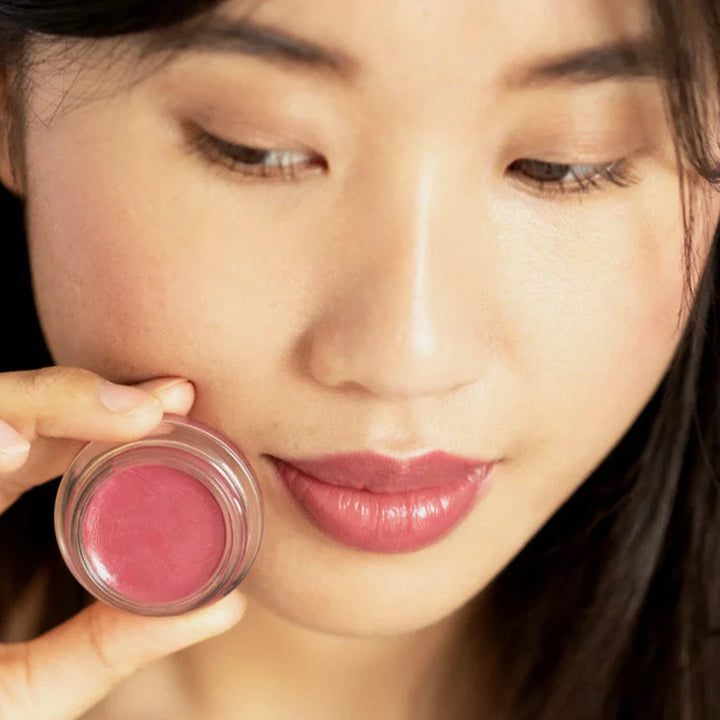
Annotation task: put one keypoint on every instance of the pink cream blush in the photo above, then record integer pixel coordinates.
(153, 533)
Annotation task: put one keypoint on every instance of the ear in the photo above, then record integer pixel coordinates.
(9, 175)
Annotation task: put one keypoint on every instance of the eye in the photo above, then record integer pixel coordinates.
(260, 163)
(552, 178)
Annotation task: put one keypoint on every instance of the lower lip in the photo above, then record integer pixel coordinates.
(382, 522)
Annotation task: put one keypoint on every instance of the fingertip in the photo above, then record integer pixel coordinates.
(236, 605)
(224, 613)
(176, 396)
(14, 447)
(13, 459)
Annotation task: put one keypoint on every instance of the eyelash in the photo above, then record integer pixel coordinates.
(252, 163)
(259, 163)
(590, 177)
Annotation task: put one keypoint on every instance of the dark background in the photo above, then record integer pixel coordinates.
(27, 535)
(21, 342)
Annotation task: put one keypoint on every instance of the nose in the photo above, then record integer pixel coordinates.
(400, 321)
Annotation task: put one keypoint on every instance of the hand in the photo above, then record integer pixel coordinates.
(46, 416)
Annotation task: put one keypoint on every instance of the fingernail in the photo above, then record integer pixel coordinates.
(123, 399)
(175, 390)
(11, 441)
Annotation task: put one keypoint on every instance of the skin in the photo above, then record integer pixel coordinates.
(413, 296)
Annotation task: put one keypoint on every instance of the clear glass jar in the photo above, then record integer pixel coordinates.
(161, 525)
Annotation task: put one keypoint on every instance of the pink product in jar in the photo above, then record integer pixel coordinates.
(161, 525)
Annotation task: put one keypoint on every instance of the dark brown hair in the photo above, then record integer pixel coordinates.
(613, 609)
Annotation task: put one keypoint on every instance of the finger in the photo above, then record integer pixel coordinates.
(49, 457)
(65, 672)
(68, 402)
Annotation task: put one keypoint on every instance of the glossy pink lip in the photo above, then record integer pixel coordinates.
(380, 504)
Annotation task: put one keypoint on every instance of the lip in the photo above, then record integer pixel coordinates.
(382, 504)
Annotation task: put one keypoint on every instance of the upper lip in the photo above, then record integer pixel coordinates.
(380, 473)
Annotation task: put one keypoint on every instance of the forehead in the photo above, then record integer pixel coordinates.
(438, 43)
(411, 44)
(433, 46)
(498, 27)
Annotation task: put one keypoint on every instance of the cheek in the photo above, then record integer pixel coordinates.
(102, 284)
(596, 328)
(599, 335)
(142, 278)
(602, 364)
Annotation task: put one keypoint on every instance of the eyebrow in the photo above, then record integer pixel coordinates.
(636, 57)
(227, 35)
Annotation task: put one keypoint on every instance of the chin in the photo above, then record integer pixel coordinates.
(339, 591)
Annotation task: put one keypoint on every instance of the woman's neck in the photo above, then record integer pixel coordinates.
(274, 668)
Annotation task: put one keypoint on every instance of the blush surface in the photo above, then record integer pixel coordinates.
(154, 533)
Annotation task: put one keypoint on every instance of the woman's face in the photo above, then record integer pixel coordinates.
(399, 277)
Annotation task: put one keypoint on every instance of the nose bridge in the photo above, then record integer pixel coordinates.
(395, 322)
(400, 277)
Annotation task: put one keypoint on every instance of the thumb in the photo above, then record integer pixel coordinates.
(66, 671)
